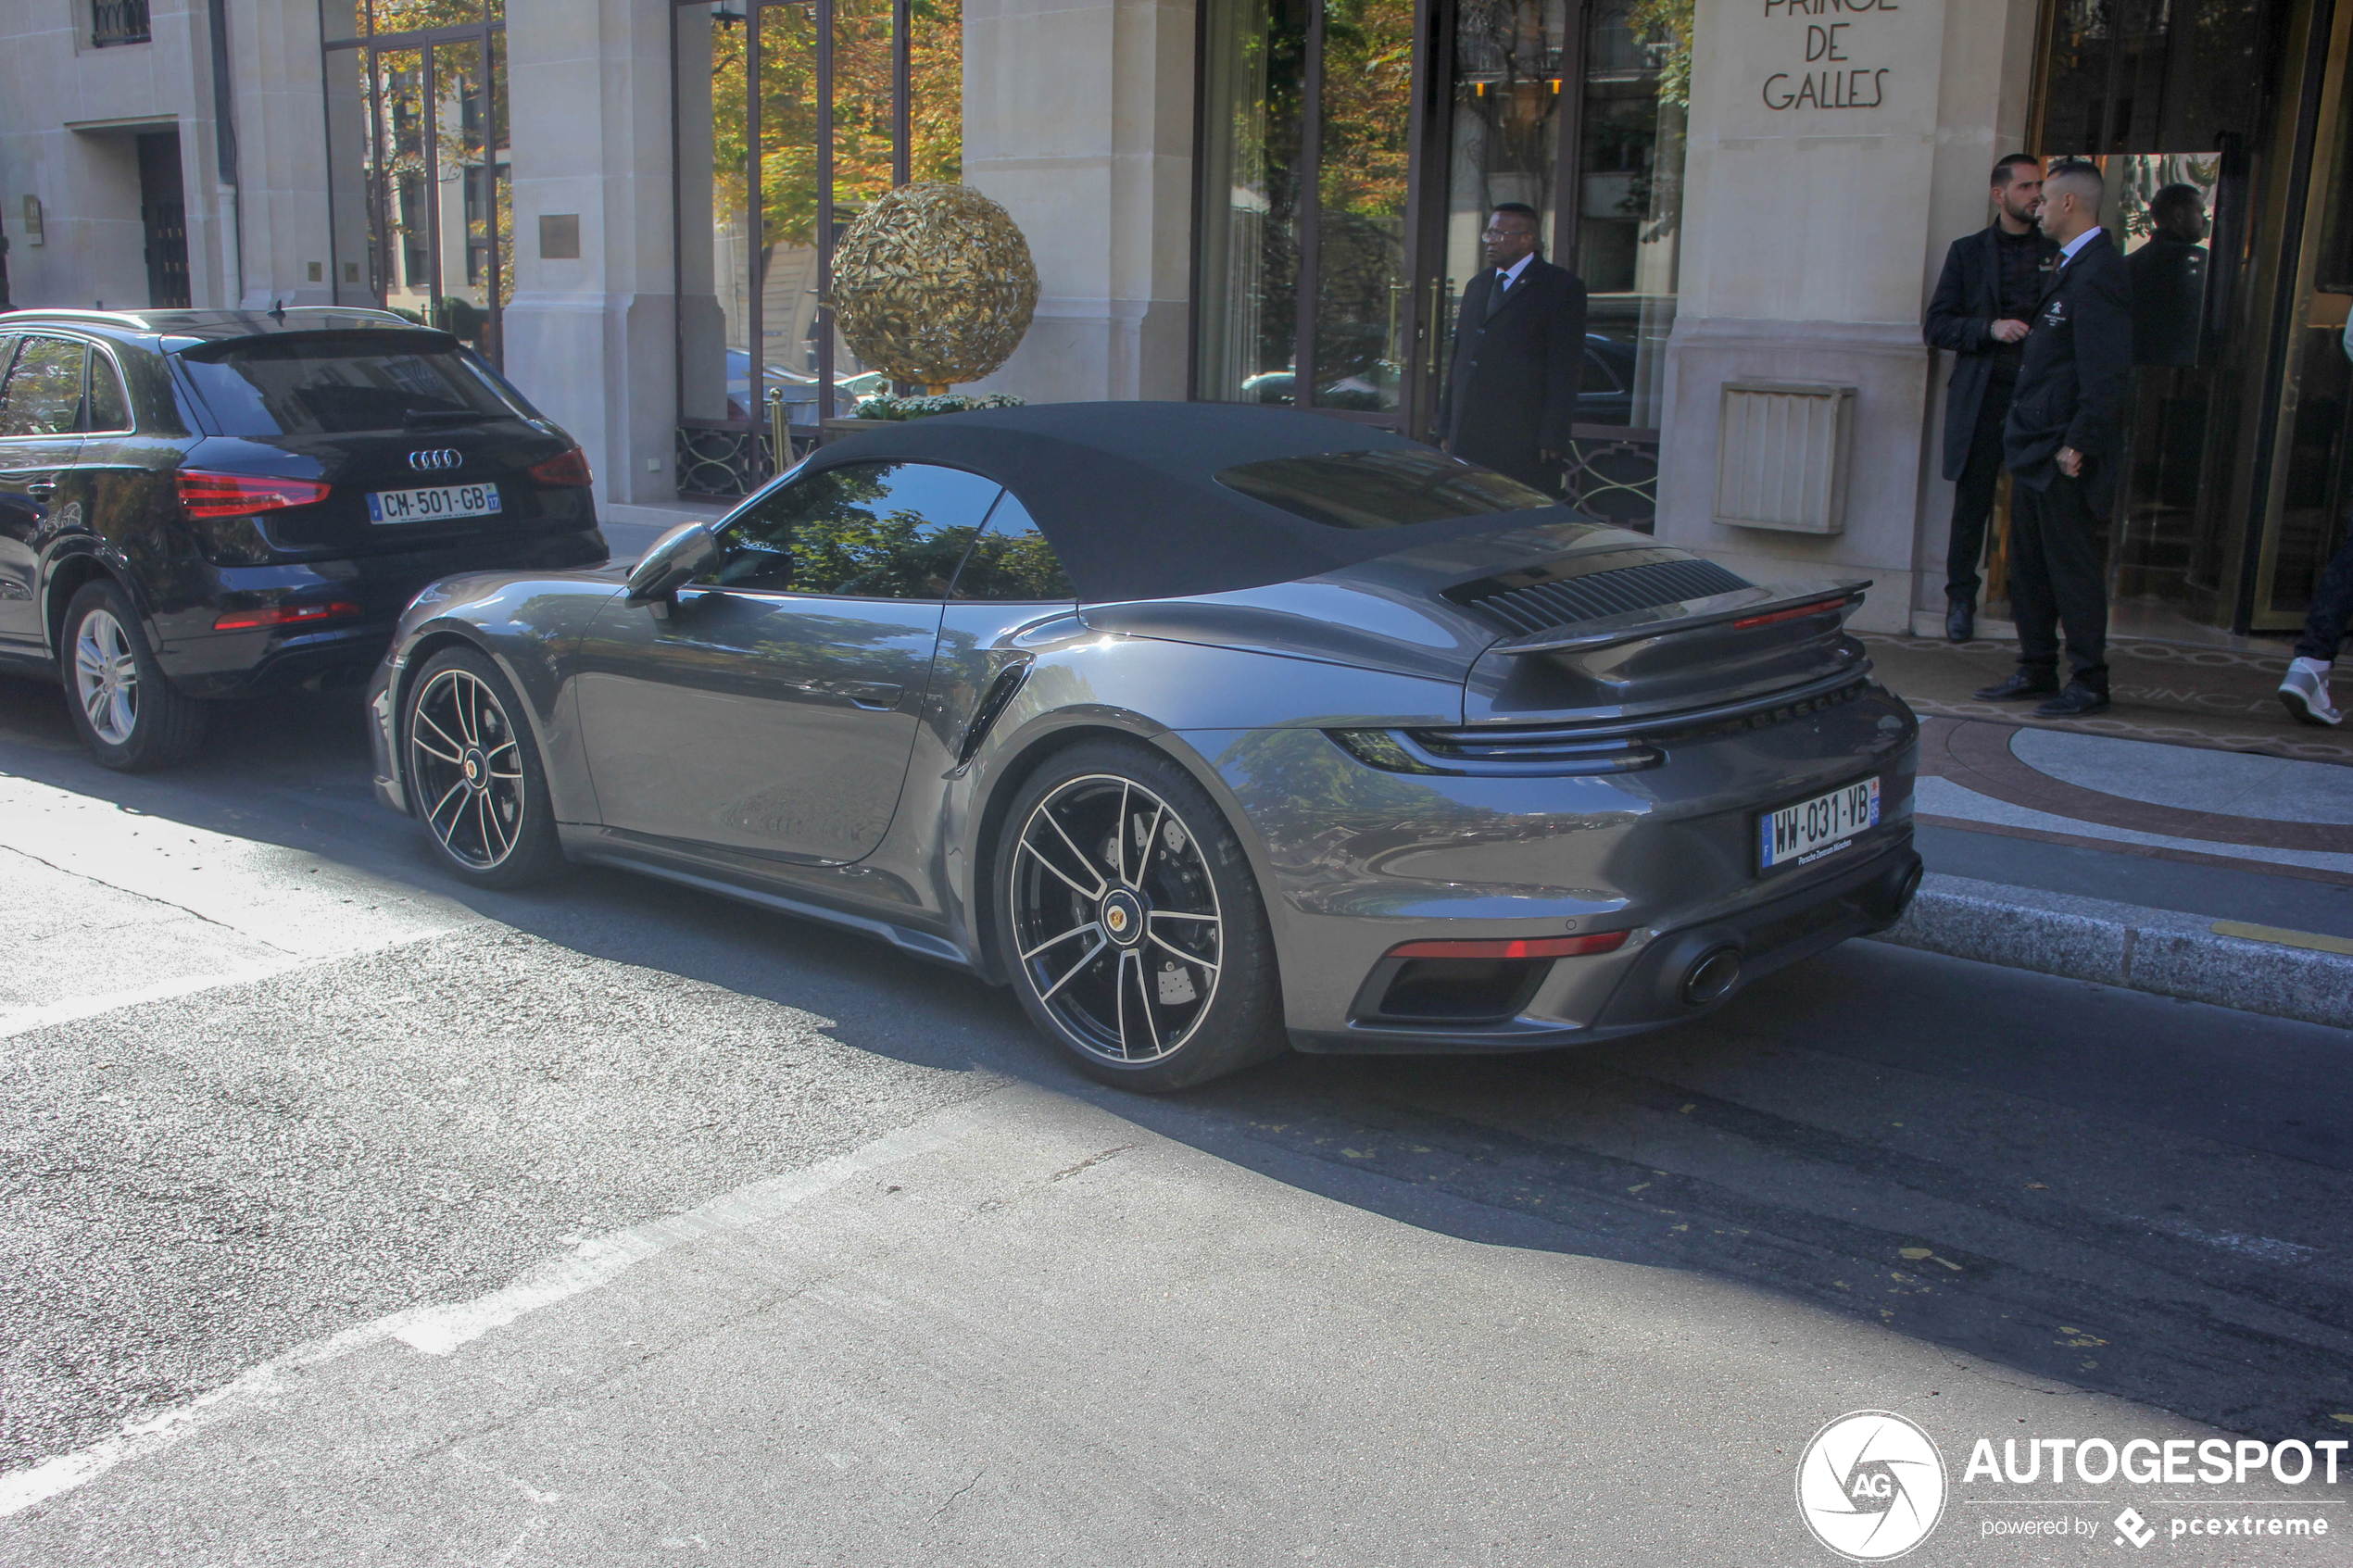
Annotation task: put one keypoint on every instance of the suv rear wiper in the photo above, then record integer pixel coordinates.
(416, 416)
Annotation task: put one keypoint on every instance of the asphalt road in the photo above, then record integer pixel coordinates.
(353, 1217)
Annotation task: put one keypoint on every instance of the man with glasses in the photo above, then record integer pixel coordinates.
(1519, 347)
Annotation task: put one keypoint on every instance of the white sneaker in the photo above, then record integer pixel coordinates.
(2306, 692)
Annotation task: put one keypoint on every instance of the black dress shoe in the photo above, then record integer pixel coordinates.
(1961, 619)
(2072, 703)
(2022, 682)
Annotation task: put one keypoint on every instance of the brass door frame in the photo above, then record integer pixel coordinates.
(2312, 136)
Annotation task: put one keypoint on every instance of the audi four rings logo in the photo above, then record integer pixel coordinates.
(440, 457)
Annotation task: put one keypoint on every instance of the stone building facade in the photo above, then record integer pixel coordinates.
(629, 204)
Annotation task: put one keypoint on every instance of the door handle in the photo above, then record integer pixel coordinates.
(40, 489)
(879, 696)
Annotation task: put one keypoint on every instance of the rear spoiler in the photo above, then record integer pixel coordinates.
(1741, 608)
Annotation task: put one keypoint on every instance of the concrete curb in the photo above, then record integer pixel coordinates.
(2142, 949)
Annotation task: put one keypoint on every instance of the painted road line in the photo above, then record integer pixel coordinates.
(2311, 941)
(439, 1330)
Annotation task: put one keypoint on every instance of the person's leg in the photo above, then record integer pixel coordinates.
(1973, 497)
(2331, 608)
(2306, 690)
(2033, 610)
(2077, 574)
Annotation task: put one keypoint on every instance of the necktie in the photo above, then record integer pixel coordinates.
(1495, 299)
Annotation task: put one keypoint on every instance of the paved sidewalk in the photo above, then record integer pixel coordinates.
(2200, 849)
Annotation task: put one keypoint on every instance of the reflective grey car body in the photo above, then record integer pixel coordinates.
(865, 787)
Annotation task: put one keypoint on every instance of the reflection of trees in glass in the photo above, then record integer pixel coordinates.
(415, 15)
(465, 142)
(1507, 75)
(1014, 566)
(2189, 68)
(828, 533)
(863, 135)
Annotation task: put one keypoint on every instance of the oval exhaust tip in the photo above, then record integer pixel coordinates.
(1712, 978)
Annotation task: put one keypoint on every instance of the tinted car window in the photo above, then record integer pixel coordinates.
(109, 409)
(331, 384)
(43, 396)
(1386, 489)
(1012, 560)
(868, 530)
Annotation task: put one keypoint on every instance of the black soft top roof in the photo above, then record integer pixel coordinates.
(1127, 496)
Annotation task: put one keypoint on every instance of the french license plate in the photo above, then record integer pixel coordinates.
(432, 505)
(1799, 834)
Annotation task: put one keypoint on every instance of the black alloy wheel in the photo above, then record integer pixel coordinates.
(130, 715)
(474, 777)
(1130, 924)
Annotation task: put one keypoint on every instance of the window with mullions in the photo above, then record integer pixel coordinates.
(420, 192)
(791, 117)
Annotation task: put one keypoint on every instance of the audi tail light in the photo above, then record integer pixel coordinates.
(207, 495)
(284, 615)
(564, 468)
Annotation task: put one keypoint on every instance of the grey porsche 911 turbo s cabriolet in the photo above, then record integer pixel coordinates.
(1213, 730)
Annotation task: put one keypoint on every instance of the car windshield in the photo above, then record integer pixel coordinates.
(1391, 489)
(332, 384)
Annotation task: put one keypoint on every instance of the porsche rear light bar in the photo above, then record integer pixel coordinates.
(1515, 947)
(206, 493)
(1816, 608)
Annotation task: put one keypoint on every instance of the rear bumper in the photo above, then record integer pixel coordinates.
(207, 663)
(1642, 987)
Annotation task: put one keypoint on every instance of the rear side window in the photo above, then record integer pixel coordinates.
(109, 407)
(1393, 488)
(42, 395)
(868, 530)
(340, 383)
(1010, 561)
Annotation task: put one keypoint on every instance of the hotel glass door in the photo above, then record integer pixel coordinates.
(1351, 152)
(418, 188)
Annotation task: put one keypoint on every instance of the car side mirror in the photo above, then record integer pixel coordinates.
(677, 559)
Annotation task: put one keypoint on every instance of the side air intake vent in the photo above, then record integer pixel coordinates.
(1599, 594)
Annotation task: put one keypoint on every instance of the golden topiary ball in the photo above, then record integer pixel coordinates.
(934, 283)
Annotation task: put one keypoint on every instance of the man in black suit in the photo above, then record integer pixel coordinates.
(2065, 435)
(1990, 283)
(1520, 348)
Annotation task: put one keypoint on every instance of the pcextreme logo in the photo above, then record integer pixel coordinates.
(1870, 1485)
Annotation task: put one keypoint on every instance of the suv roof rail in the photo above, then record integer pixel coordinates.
(55, 311)
(160, 318)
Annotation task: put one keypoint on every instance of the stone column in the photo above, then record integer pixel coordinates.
(274, 216)
(589, 338)
(1834, 150)
(1078, 117)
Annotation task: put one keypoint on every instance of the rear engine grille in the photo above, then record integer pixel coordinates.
(1598, 593)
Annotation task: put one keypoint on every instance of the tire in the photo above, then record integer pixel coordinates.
(473, 773)
(1112, 850)
(130, 715)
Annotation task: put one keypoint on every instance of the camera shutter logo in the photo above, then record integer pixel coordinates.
(438, 459)
(1870, 1485)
